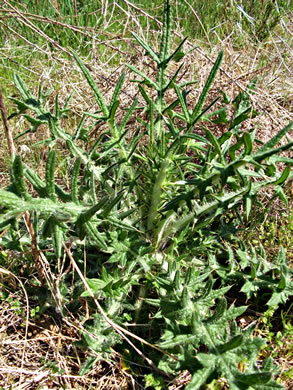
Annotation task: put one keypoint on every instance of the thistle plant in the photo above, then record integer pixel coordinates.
(141, 209)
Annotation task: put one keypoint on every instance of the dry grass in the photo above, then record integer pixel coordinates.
(272, 99)
(46, 358)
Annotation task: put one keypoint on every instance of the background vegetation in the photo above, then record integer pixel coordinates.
(146, 198)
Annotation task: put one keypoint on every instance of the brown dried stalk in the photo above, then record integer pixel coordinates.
(119, 329)
(75, 12)
(11, 147)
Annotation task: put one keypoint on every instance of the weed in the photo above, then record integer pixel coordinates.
(152, 219)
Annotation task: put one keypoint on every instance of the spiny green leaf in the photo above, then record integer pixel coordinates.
(166, 37)
(95, 235)
(178, 54)
(248, 143)
(87, 214)
(147, 48)
(93, 85)
(284, 176)
(173, 79)
(80, 132)
(57, 238)
(149, 82)
(282, 195)
(218, 314)
(233, 343)
(178, 340)
(182, 103)
(235, 125)
(199, 378)
(111, 204)
(213, 140)
(74, 178)
(207, 86)
(259, 378)
(50, 175)
(128, 115)
(112, 114)
(156, 193)
(95, 285)
(275, 140)
(78, 152)
(263, 154)
(18, 178)
(117, 90)
(22, 87)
